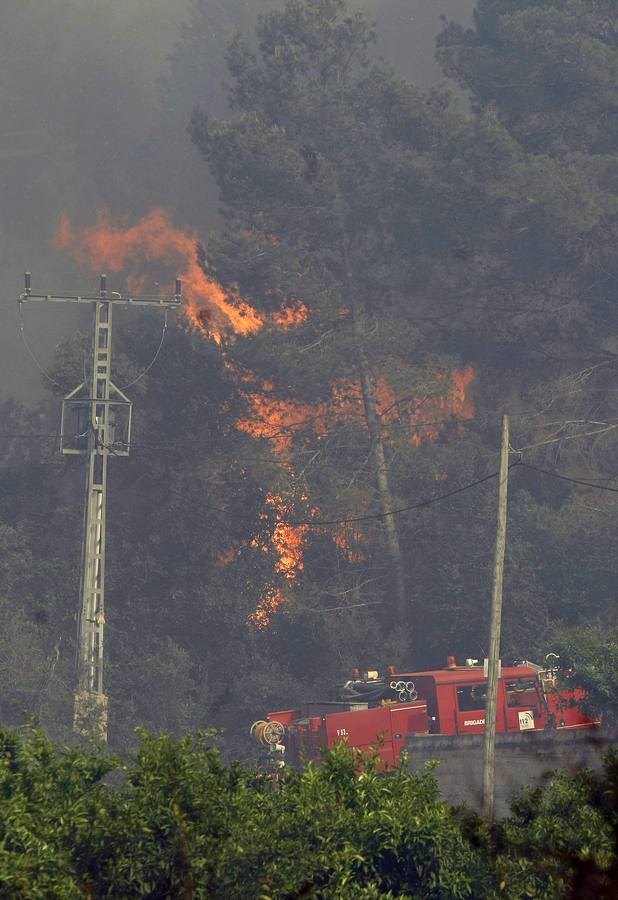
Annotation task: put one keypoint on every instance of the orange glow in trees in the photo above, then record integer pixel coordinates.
(110, 246)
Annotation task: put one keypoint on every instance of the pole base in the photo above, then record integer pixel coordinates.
(90, 716)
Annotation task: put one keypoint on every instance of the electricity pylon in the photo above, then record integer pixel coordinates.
(101, 414)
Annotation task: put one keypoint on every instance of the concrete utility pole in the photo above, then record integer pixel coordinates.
(494, 634)
(102, 417)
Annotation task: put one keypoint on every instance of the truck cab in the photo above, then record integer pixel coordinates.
(528, 700)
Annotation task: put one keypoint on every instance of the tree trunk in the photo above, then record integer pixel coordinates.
(374, 426)
(384, 490)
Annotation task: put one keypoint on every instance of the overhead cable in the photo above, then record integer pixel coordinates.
(324, 523)
(152, 361)
(31, 353)
(608, 426)
(591, 484)
(34, 435)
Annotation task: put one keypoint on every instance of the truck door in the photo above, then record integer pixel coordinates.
(406, 720)
(524, 708)
(470, 711)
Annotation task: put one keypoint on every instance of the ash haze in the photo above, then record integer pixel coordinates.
(94, 116)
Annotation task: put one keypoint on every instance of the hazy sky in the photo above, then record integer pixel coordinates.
(84, 127)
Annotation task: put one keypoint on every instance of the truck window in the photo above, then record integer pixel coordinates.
(522, 692)
(471, 697)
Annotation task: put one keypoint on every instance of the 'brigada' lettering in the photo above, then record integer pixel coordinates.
(474, 721)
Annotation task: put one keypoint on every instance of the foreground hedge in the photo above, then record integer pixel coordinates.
(178, 822)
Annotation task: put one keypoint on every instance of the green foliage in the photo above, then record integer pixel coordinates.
(561, 839)
(545, 73)
(52, 809)
(549, 67)
(178, 822)
(589, 660)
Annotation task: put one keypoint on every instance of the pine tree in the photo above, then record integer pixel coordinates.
(312, 172)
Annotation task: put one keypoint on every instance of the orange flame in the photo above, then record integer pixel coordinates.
(426, 420)
(269, 603)
(114, 247)
(270, 417)
(280, 420)
(350, 539)
(288, 542)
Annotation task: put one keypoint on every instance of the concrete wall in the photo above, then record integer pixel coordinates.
(522, 760)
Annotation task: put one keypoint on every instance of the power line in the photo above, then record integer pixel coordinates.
(312, 523)
(608, 426)
(30, 351)
(423, 503)
(32, 435)
(43, 436)
(43, 371)
(152, 361)
(324, 523)
(328, 609)
(335, 464)
(598, 487)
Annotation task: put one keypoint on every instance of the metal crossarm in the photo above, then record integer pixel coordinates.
(113, 298)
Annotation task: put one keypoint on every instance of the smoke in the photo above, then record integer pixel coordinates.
(95, 99)
(407, 32)
(80, 102)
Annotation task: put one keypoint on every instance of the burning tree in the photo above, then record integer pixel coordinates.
(329, 177)
(315, 170)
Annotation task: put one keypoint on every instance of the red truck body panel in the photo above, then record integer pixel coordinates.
(445, 701)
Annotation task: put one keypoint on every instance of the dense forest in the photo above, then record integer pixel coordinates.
(309, 485)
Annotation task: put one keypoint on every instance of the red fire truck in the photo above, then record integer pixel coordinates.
(385, 712)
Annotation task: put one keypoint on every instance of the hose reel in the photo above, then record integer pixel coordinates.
(267, 734)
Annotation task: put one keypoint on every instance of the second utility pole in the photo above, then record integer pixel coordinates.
(493, 666)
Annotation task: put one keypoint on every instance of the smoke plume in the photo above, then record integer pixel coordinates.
(95, 99)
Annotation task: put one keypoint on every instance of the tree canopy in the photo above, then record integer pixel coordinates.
(414, 270)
